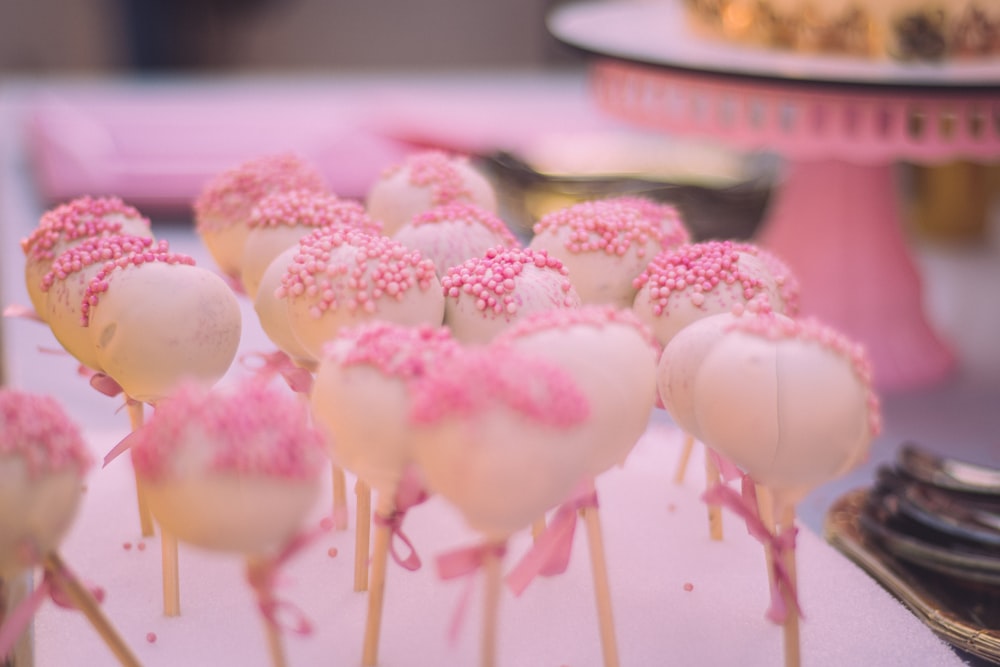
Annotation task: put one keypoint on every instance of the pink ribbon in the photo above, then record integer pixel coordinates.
(19, 618)
(745, 506)
(23, 312)
(274, 363)
(550, 553)
(465, 562)
(409, 494)
(262, 575)
(105, 384)
(727, 469)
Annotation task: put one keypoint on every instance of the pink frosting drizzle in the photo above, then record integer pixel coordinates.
(814, 331)
(470, 214)
(434, 170)
(310, 208)
(35, 428)
(609, 226)
(83, 217)
(101, 281)
(475, 380)
(253, 430)
(229, 197)
(694, 269)
(493, 279)
(379, 269)
(101, 249)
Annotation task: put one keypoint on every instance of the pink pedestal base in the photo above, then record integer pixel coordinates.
(839, 228)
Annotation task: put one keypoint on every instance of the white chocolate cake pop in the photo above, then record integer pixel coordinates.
(423, 181)
(223, 208)
(605, 245)
(65, 286)
(701, 279)
(155, 319)
(344, 277)
(612, 357)
(487, 294)
(279, 220)
(499, 434)
(43, 460)
(234, 469)
(789, 401)
(452, 233)
(362, 395)
(272, 311)
(69, 224)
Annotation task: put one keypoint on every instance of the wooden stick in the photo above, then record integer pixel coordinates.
(339, 498)
(362, 535)
(171, 580)
(491, 607)
(275, 644)
(376, 591)
(136, 420)
(13, 591)
(793, 654)
(602, 589)
(713, 477)
(83, 600)
(537, 528)
(682, 465)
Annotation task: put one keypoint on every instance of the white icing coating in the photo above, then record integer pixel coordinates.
(272, 312)
(448, 243)
(791, 413)
(261, 247)
(159, 323)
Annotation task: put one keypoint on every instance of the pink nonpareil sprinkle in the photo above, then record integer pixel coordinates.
(597, 316)
(470, 214)
(666, 216)
(688, 586)
(97, 250)
(606, 226)
(332, 552)
(151, 637)
(251, 429)
(435, 171)
(38, 430)
(310, 208)
(402, 352)
(83, 217)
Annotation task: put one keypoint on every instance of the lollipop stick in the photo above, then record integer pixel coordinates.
(275, 645)
(491, 607)
(376, 593)
(13, 592)
(712, 477)
(339, 498)
(171, 580)
(362, 535)
(136, 420)
(791, 626)
(685, 457)
(602, 589)
(83, 600)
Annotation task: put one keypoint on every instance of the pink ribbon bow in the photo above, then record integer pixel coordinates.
(19, 618)
(409, 494)
(262, 575)
(274, 363)
(745, 506)
(465, 562)
(550, 553)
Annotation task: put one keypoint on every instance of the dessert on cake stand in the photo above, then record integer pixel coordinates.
(841, 123)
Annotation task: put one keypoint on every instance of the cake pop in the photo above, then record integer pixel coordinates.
(452, 233)
(486, 294)
(65, 286)
(280, 219)
(272, 311)
(423, 181)
(605, 245)
(222, 209)
(72, 223)
(344, 277)
(234, 469)
(155, 318)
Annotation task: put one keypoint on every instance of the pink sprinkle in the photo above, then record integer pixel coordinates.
(310, 208)
(81, 218)
(127, 546)
(470, 214)
(435, 170)
(151, 637)
(596, 316)
(332, 552)
(688, 586)
(35, 428)
(402, 352)
(141, 546)
(229, 197)
(326, 523)
(609, 226)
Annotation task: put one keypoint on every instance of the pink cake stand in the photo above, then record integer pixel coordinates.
(840, 123)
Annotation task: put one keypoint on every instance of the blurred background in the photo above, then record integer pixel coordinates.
(46, 36)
